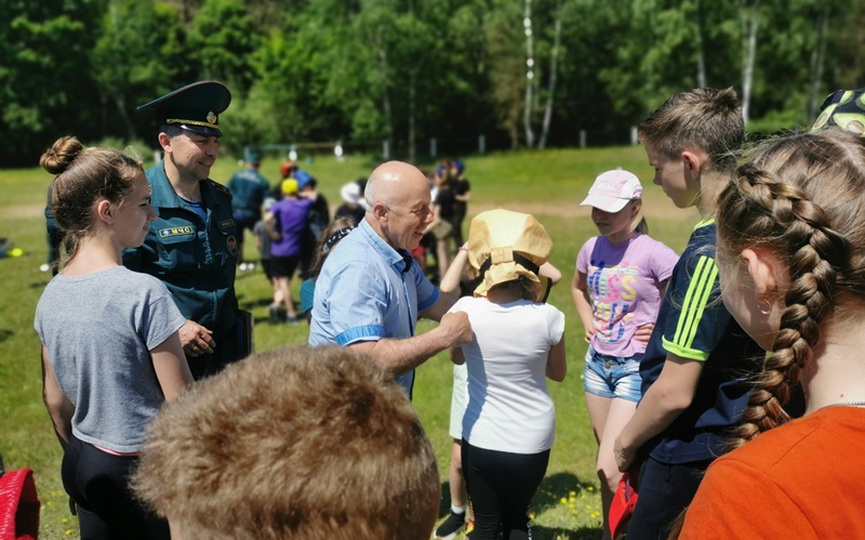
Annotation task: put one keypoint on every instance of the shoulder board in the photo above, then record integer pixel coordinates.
(219, 187)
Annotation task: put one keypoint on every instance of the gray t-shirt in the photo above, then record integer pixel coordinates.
(99, 330)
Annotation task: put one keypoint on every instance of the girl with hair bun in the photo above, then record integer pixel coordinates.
(111, 353)
(791, 255)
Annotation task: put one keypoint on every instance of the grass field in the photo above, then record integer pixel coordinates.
(548, 184)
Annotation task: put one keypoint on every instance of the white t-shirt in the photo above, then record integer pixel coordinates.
(509, 409)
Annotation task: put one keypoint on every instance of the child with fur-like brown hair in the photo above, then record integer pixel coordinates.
(301, 443)
(791, 251)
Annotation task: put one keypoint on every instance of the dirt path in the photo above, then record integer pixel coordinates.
(24, 211)
(652, 208)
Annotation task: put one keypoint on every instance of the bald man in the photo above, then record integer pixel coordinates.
(370, 292)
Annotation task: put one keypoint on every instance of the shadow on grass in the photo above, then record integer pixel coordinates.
(5, 334)
(445, 504)
(556, 486)
(552, 489)
(583, 533)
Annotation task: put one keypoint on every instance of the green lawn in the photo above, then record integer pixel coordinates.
(549, 184)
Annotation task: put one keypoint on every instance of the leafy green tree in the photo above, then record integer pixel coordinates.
(593, 33)
(223, 37)
(44, 86)
(363, 71)
(505, 39)
(288, 101)
(140, 54)
(789, 85)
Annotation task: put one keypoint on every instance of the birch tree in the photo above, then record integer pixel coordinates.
(551, 84)
(750, 19)
(530, 75)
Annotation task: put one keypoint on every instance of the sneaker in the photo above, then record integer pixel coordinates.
(451, 526)
(273, 314)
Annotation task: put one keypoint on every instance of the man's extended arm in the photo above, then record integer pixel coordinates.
(403, 355)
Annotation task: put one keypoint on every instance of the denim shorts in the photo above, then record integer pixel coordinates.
(612, 376)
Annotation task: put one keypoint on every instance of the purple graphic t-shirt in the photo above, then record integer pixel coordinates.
(624, 283)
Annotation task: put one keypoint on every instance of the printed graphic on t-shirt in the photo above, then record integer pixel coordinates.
(613, 292)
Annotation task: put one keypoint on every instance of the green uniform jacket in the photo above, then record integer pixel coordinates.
(196, 260)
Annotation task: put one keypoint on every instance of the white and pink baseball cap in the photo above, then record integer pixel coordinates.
(612, 190)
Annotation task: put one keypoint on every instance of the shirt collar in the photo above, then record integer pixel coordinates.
(400, 259)
(162, 192)
(704, 223)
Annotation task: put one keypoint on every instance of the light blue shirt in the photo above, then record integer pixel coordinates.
(368, 291)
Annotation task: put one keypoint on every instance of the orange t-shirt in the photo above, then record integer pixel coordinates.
(803, 480)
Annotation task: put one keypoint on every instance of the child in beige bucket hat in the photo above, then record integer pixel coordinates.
(509, 421)
(507, 246)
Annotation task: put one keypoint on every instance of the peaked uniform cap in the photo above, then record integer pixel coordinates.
(195, 107)
(496, 236)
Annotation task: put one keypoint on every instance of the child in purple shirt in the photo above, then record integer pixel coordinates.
(617, 289)
(286, 222)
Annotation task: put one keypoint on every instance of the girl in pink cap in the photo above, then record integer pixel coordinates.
(617, 288)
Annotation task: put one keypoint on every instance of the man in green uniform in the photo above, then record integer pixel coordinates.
(248, 190)
(193, 244)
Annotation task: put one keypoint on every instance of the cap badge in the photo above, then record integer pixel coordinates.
(211, 117)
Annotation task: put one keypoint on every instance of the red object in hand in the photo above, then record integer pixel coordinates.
(624, 502)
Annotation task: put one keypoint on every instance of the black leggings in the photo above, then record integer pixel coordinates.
(99, 483)
(501, 486)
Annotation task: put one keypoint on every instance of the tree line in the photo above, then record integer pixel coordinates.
(523, 73)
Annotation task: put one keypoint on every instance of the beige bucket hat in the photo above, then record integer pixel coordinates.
(505, 246)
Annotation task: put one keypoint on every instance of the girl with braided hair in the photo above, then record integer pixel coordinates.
(791, 254)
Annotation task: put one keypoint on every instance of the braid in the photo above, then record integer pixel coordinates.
(759, 204)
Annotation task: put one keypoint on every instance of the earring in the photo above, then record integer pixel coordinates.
(765, 308)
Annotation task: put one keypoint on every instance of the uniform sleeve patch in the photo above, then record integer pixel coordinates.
(169, 232)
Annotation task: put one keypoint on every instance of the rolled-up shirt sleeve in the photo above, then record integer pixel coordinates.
(357, 305)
